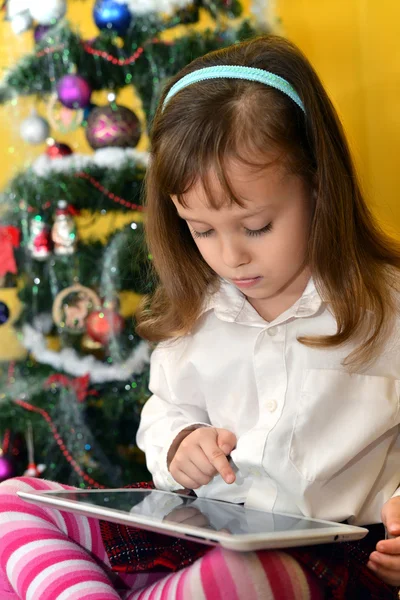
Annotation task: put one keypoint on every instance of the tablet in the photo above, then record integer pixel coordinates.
(212, 522)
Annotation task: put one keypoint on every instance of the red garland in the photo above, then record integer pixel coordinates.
(122, 62)
(79, 385)
(6, 441)
(10, 372)
(49, 50)
(60, 442)
(109, 194)
(71, 209)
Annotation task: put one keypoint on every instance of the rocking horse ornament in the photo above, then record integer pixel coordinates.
(72, 306)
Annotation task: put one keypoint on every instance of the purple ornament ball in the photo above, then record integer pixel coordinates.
(40, 31)
(7, 469)
(74, 91)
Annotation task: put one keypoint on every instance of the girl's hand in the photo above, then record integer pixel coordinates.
(201, 455)
(385, 561)
(188, 515)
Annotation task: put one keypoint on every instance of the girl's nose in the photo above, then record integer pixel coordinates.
(234, 254)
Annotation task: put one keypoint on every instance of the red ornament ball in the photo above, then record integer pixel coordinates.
(101, 325)
(58, 151)
(113, 125)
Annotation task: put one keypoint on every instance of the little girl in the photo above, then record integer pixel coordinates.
(276, 382)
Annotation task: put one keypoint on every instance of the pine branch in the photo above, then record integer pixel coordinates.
(42, 193)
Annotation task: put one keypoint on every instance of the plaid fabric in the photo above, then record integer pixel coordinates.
(341, 568)
(133, 550)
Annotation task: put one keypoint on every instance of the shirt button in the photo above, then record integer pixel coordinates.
(254, 471)
(272, 331)
(271, 405)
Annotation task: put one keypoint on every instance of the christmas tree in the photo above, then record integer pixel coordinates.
(70, 408)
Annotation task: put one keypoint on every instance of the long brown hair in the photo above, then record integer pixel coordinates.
(354, 264)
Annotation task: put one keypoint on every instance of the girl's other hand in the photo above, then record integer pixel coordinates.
(385, 560)
(201, 455)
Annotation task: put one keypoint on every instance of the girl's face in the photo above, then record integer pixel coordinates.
(261, 247)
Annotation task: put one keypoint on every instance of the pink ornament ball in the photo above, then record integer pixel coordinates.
(113, 126)
(7, 469)
(74, 91)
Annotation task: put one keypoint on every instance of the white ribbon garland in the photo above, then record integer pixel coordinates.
(112, 158)
(69, 361)
(144, 7)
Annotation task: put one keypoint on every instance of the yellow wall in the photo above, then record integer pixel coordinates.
(354, 46)
(352, 43)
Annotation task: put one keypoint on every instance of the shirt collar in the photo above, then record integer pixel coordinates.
(229, 304)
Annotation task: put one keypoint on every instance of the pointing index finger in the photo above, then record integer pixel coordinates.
(218, 459)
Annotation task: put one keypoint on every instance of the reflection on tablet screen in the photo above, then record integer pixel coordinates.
(198, 512)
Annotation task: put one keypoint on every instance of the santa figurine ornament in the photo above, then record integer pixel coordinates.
(39, 244)
(63, 232)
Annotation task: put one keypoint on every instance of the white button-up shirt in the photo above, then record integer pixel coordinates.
(312, 438)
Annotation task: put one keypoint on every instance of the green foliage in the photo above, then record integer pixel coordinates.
(98, 433)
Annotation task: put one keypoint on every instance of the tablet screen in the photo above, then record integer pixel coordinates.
(208, 514)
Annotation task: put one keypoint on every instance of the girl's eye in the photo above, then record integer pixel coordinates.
(254, 232)
(249, 232)
(204, 234)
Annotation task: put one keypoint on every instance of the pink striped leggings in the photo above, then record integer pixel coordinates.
(47, 554)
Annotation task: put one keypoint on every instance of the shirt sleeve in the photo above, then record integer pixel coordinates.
(396, 493)
(164, 416)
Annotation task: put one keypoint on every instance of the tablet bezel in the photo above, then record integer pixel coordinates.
(239, 542)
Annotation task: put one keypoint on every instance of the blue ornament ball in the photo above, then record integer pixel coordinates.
(4, 313)
(109, 14)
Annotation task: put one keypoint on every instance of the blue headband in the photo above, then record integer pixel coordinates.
(236, 72)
